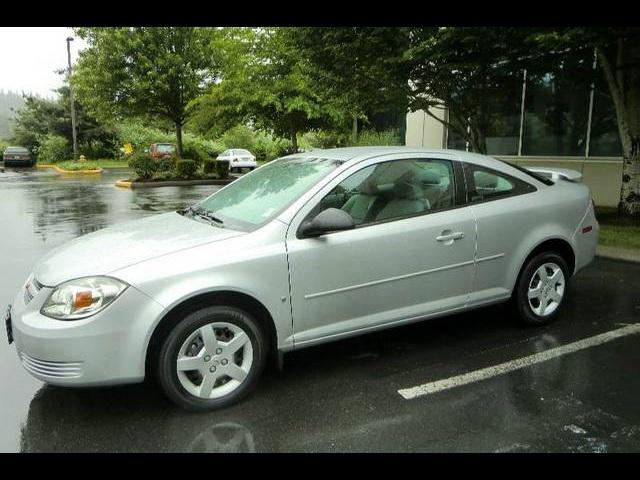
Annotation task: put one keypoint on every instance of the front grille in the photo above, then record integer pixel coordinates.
(51, 369)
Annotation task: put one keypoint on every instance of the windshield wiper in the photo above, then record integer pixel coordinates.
(202, 213)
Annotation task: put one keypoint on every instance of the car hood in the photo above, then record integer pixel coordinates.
(125, 244)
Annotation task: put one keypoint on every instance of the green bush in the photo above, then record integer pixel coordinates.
(209, 166)
(164, 175)
(143, 165)
(53, 148)
(239, 136)
(186, 168)
(196, 152)
(322, 139)
(373, 138)
(166, 164)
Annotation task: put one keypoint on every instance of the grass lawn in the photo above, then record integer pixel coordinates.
(99, 163)
(616, 230)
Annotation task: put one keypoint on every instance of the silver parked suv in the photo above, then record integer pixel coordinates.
(309, 248)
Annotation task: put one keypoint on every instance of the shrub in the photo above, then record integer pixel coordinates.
(209, 166)
(164, 175)
(239, 136)
(143, 165)
(322, 139)
(222, 169)
(53, 148)
(167, 164)
(186, 168)
(196, 152)
(373, 138)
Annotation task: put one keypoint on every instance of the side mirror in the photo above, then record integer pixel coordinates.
(328, 220)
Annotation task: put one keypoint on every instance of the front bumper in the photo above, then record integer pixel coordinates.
(105, 349)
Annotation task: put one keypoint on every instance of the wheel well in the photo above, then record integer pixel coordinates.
(227, 298)
(557, 245)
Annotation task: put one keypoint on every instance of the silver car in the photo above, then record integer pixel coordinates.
(309, 248)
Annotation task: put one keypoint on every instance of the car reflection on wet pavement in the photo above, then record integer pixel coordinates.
(336, 397)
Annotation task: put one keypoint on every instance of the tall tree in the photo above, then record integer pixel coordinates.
(41, 116)
(265, 82)
(142, 71)
(465, 69)
(361, 70)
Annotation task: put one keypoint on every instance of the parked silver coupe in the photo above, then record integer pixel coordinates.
(309, 248)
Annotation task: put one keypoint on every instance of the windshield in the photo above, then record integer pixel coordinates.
(256, 198)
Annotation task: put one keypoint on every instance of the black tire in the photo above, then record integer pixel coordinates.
(520, 301)
(167, 357)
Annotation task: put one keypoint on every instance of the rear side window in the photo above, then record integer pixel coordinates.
(484, 184)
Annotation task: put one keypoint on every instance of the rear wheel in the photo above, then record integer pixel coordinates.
(541, 289)
(212, 358)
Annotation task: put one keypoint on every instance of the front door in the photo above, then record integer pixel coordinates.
(410, 255)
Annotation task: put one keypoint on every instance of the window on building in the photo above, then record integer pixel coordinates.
(557, 110)
(605, 140)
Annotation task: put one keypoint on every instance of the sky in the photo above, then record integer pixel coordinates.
(29, 57)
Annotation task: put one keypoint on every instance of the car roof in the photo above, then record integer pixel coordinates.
(352, 155)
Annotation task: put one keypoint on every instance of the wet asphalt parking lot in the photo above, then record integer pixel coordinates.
(341, 396)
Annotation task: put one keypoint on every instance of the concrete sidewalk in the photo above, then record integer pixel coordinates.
(616, 253)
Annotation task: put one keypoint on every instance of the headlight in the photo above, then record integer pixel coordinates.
(82, 297)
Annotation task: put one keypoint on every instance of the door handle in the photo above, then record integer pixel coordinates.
(449, 237)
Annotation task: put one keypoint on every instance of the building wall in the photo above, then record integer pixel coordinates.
(603, 175)
(424, 131)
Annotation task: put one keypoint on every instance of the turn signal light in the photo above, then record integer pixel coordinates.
(82, 299)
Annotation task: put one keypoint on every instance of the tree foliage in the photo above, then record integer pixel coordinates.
(40, 117)
(145, 71)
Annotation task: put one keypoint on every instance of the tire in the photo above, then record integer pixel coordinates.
(186, 340)
(548, 296)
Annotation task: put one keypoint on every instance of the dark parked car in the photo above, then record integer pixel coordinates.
(161, 150)
(18, 156)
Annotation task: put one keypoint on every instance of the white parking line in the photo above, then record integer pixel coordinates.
(518, 363)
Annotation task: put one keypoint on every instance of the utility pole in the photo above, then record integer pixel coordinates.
(73, 107)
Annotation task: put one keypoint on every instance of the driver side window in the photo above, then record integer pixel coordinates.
(393, 190)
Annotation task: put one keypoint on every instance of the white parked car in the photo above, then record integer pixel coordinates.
(310, 248)
(238, 159)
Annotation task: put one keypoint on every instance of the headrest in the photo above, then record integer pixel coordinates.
(429, 177)
(407, 191)
(485, 180)
(369, 187)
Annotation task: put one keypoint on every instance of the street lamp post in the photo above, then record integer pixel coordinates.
(73, 107)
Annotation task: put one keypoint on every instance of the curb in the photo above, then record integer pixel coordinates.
(70, 172)
(614, 253)
(172, 183)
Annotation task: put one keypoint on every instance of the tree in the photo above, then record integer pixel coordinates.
(467, 70)
(39, 117)
(360, 70)
(145, 71)
(264, 82)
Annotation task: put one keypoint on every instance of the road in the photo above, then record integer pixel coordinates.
(342, 396)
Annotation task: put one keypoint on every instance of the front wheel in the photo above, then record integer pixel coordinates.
(541, 289)
(212, 358)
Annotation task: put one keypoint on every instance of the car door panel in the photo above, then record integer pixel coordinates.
(379, 273)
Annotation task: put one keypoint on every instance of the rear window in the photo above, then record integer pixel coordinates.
(164, 148)
(242, 152)
(537, 176)
(16, 150)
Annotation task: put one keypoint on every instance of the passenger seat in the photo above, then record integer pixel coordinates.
(408, 199)
(359, 205)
